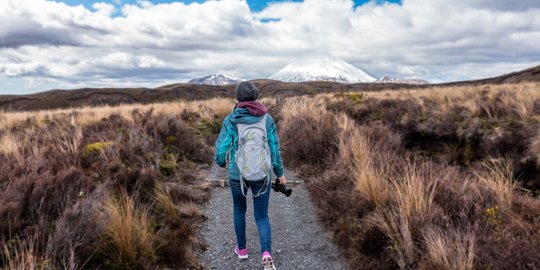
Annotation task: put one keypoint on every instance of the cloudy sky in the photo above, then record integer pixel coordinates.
(75, 43)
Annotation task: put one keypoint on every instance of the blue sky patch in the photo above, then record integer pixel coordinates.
(254, 5)
(267, 20)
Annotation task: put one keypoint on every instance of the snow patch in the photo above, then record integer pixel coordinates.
(216, 79)
(324, 69)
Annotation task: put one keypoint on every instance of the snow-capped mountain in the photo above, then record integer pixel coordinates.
(325, 69)
(215, 79)
(387, 79)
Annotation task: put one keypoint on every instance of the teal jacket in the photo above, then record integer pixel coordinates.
(228, 138)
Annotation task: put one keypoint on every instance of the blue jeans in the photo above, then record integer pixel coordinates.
(260, 211)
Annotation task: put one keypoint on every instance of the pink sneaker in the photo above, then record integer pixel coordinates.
(242, 253)
(267, 261)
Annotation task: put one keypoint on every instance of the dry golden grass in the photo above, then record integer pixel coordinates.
(190, 210)
(9, 145)
(397, 228)
(83, 116)
(164, 203)
(14, 139)
(371, 182)
(303, 105)
(433, 215)
(516, 99)
(129, 233)
(497, 176)
(64, 141)
(21, 255)
(453, 250)
(414, 194)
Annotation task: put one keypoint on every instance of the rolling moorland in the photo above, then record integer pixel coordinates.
(435, 177)
(269, 88)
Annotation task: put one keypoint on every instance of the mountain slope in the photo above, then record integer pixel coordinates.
(215, 79)
(325, 69)
(526, 75)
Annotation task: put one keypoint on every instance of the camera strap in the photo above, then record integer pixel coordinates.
(265, 186)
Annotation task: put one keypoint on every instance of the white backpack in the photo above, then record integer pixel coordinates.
(253, 153)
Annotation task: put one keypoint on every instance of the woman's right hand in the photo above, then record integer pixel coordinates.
(282, 180)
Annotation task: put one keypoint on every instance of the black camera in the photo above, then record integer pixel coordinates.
(277, 186)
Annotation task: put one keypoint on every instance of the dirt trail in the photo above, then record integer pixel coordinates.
(298, 240)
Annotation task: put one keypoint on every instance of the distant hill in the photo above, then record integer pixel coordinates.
(115, 96)
(215, 79)
(527, 75)
(269, 88)
(387, 79)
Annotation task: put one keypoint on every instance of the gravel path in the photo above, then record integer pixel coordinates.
(298, 240)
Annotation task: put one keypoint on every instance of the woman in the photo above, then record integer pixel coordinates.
(250, 116)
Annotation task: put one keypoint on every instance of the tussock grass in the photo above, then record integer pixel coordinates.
(164, 203)
(450, 249)
(423, 178)
(129, 234)
(371, 181)
(9, 145)
(20, 254)
(56, 165)
(515, 99)
(497, 176)
(414, 193)
(397, 228)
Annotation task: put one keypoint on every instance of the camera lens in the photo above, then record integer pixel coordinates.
(287, 192)
(281, 188)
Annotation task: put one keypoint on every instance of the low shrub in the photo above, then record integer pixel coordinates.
(311, 143)
(81, 192)
(186, 144)
(94, 148)
(394, 204)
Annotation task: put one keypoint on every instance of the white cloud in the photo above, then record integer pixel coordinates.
(105, 9)
(146, 43)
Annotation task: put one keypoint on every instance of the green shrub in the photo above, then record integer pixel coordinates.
(167, 165)
(208, 128)
(93, 148)
(170, 139)
(356, 98)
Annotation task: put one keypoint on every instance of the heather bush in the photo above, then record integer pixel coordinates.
(311, 143)
(422, 182)
(72, 180)
(461, 128)
(185, 144)
(74, 242)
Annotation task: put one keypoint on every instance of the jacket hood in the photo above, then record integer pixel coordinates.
(254, 107)
(242, 115)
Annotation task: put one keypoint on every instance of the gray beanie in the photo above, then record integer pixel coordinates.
(246, 91)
